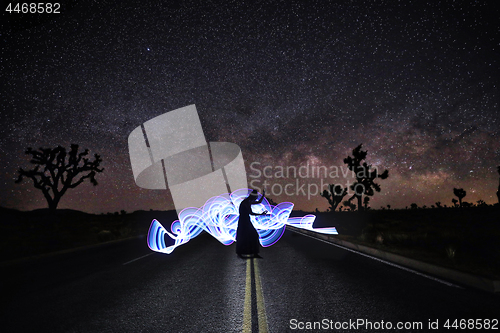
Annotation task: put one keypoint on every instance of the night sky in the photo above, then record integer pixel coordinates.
(293, 83)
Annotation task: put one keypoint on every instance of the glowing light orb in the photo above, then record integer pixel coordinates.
(219, 217)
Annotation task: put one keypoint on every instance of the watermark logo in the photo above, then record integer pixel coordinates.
(307, 180)
(171, 151)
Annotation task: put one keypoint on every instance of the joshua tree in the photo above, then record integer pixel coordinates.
(334, 196)
(438, 204)
(56, 171)
(350, 205)
(455, 202)
(365, 177)
(460, 193)
(414, 206)
(366, 200)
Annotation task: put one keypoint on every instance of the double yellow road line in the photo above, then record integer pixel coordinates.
(252, 265)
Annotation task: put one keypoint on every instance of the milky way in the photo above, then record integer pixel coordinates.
(293, 83)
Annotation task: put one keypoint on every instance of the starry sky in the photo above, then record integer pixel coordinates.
(293, 83)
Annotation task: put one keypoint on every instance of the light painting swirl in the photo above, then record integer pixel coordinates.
(219, 217)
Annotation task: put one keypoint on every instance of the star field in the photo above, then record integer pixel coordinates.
(291, 82)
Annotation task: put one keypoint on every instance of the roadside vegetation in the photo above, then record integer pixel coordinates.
(464, 239)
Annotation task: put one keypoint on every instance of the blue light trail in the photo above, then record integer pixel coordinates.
(219, 217)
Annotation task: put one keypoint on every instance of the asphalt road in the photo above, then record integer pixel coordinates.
(203, 287)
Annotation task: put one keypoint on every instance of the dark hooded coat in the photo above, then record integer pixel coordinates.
(247, 238)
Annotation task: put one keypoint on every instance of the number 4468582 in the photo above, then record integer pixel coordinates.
(34, 8)
(484, 324)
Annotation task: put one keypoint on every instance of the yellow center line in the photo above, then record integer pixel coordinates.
(247, 312)
(261, 308)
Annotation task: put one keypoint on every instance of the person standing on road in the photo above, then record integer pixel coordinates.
(247, 238)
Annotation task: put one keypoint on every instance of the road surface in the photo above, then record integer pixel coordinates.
(204, 287)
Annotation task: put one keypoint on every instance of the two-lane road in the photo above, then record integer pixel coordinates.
(204, 287)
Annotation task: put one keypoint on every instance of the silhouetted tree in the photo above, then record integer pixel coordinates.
(460, 193)
(366, 201)
(414, 206)
(56, 171)
(365, 177)
(350, 205)
(334, 196)
(481, 203)
(438, 204)
(455, 202)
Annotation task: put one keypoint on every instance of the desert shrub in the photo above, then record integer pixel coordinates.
(105, 236)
